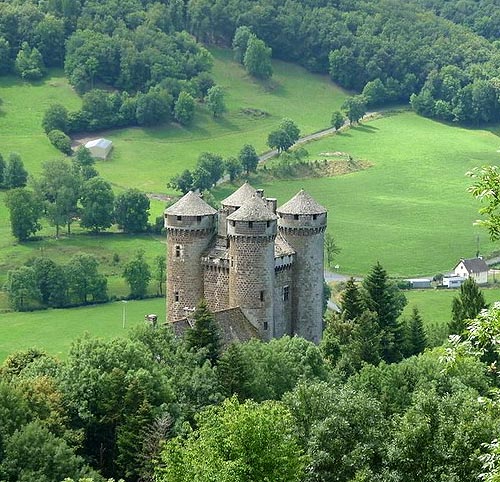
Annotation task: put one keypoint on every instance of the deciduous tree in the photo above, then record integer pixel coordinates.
(15, 175)
(257, 59)
(132, 211)
(355, 108)
(248, 158)
(137, 274)
(215, 101)
(184, 108)
(25, 211)
(97, 200)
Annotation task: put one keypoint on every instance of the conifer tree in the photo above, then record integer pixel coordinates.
(387, 302)
(233, 372)
(204, 334)
(2, 170)
(352, 304)
(466, 306)
(416, 339)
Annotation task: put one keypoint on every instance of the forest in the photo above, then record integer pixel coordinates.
(445, 59)
(365, 405)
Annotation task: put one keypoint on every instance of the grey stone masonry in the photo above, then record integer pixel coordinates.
(252, 256)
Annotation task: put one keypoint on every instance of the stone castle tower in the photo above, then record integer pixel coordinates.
(263, 260)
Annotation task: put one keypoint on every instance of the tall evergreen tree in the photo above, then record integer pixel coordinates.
(352, 303)
(416, 341)
(15, 175)
(465, 306)
(2, 171)
(204, 334)
(387, 302)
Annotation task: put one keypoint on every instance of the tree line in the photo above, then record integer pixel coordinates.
(157, 407)
(69, 191)
(43, 283)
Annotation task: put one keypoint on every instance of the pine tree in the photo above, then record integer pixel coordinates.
(352, 304)
(233, 372)
(204, 334)
(466, 306)
(416, 339)
(387, 302)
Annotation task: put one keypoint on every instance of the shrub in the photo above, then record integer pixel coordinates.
(60, 141)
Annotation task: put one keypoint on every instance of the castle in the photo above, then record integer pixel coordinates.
(251, 255)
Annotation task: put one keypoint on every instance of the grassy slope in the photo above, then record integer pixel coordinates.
(435, 308)
(54, 330)
(171, 150)
(410, 210)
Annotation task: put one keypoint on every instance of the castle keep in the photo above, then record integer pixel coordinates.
(251, 255)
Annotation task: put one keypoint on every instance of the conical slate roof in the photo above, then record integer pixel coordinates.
(240, 196)
(301, 203)
(254, 209)
(190, 204)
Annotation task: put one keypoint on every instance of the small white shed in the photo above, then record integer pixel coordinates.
(99, 148)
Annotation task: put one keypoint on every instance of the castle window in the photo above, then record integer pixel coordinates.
(198, 218)
(233, 223)
(179, 218)
(228, 243)
(268, 223)
(315, 216)
(265, 325)
(296, 217)
(176, 296)
(262, 295)
(286, 293)
(250, 224)
(178, 250)
(232, 261)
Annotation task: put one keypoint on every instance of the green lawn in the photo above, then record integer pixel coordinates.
(55, 330)
(435, 308)
(410, 210)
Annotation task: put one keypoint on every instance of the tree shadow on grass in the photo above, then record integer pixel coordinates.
(365, 128)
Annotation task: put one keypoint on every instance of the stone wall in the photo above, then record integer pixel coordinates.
(283, 301)
(251, 280)
(184, 270)
(216, 292)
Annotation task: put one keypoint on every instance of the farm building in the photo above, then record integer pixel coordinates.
(453, 281)
(419, 283)
(475, 268)
(99, 148)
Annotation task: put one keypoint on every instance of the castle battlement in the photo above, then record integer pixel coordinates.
(265, 260)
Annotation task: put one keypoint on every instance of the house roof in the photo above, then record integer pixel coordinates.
(281, 247)
(302, 203)
(233, 326)
(255, 209)
(238, 198)
(103, 143)
(190, 204)
(474, 265)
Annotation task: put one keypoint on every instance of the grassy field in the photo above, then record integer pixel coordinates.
(435, 308)
(410, 209)
(54, 330)
(147, 158)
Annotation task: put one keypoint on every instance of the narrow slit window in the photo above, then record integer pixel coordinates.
(198, 218)
(262, 295)
(265, 325)
(176, 296)
(286, 293)
(250, 224)
(315, 216)
(178, 251)
(296, 217)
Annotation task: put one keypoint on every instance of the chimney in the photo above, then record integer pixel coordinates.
(260, 193)
(272, 204)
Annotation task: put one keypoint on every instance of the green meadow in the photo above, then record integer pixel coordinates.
(55, 330)
(410, 210)
(435, 308)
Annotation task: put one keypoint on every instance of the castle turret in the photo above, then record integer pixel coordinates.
(233, 202)
(251, 232)
(191, 226)
(302, 222)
